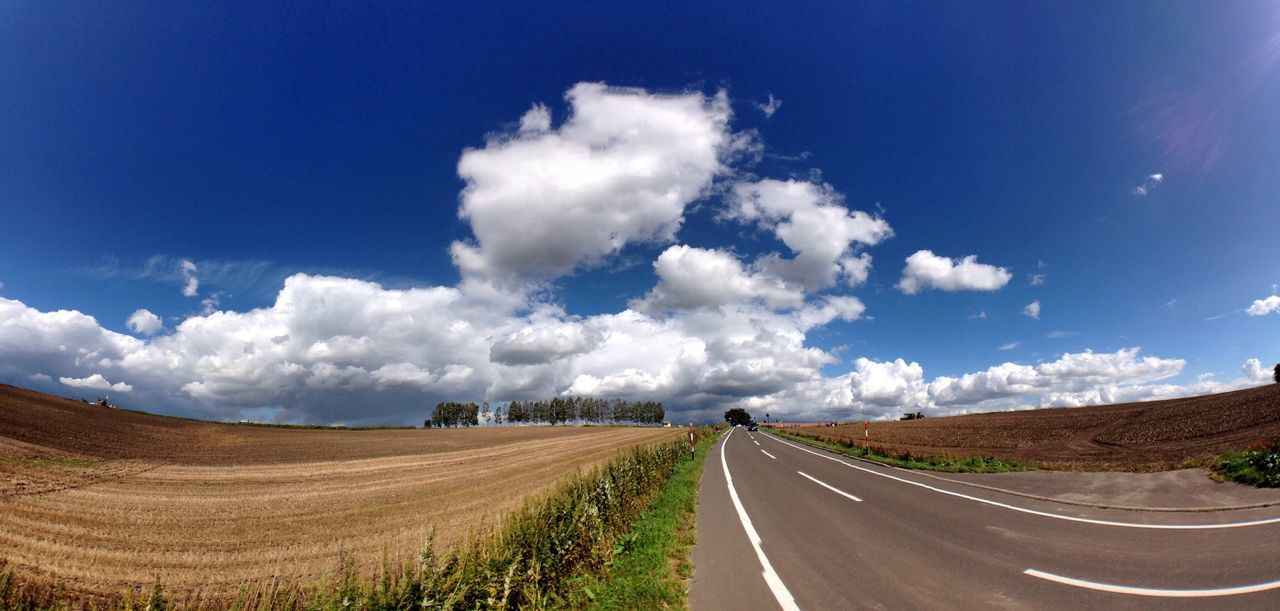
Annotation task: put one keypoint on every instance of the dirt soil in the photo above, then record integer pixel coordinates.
(105, 500)
(1152, 435)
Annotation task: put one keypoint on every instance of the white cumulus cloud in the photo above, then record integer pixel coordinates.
(1071, 379)
(1000, 381)
(1253, 372)
(690, 278)
(812, 221)
(61, 342)
(926, 270)
(95, 382)
(831, 308)
(621, 169)
(544, 341)
(891, 383)
(144, 321)
(1262, 307)
(536, 120)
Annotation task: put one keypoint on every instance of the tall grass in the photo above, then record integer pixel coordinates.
(533, 560)
(650, 567)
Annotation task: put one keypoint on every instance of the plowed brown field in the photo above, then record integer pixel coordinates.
(1148, 435)
(104, 500)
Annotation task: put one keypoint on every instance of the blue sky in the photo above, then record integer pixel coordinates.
(324, 144)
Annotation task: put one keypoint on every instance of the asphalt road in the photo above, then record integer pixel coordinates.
(809, 529)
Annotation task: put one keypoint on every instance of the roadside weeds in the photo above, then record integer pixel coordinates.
(651, 568)
(1256, 467)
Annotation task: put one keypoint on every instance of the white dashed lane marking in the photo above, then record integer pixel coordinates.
(828, 486)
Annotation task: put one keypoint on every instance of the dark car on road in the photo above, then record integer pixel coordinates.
(753, 426)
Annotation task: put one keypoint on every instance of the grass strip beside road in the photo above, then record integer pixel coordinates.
(1258, 467)
(944, 463)
(651, 568)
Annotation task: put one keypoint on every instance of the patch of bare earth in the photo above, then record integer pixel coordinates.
(1130, 436)
(106, 500)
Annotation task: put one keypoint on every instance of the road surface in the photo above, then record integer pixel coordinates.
(782, 525)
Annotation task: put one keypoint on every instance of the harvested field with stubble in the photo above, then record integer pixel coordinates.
(105, 500)
(1149, 435)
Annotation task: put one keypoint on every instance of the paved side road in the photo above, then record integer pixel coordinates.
(812, 530)
(1180, 490)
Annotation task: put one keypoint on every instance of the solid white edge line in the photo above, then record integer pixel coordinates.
(1106, 587)
(1045, 514)
(766, 453)
(779, 589)
(829, 486)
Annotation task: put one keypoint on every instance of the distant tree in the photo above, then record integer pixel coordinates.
(737, 415)
(484, 412)
(1277, 373)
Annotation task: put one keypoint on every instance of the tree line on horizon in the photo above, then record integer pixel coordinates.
(553, 411)
(451, 414)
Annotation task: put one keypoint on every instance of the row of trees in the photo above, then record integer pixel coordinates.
(455, 414)
(585, 409)
(557, 410)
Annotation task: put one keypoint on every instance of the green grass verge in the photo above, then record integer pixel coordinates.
(651, 566)
(944, 463)
(1260, 467)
